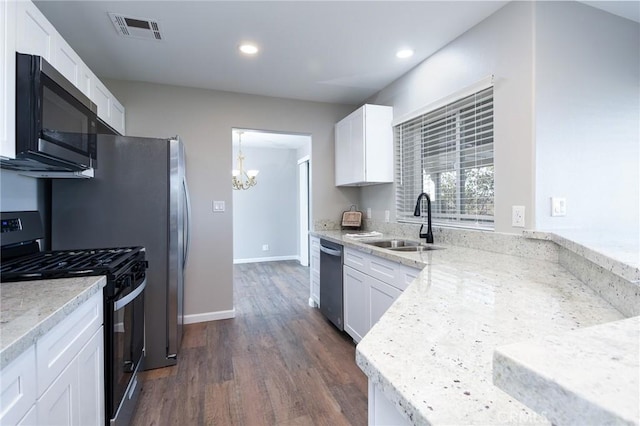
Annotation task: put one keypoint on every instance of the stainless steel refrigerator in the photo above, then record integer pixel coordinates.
(138, 197)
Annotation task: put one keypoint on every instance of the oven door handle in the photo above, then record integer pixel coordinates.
(121, 303)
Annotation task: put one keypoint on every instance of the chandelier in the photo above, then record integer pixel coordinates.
(242, 179)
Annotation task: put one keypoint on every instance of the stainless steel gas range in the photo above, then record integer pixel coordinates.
(125, 270)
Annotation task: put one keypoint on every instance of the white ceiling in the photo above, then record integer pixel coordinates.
(326, 51)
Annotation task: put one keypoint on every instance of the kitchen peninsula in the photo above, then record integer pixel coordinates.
(431, 355)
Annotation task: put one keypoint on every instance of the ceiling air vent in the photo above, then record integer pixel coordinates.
(128, 26)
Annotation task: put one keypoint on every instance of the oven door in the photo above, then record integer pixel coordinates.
(127, 346)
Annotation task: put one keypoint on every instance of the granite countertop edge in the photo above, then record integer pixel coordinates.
(615, 266)
(15, 348)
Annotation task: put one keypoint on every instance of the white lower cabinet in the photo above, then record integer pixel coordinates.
(76, 397)
(18, 392)
(382, 412)
(29, 419)
(355, 302)
(60, 379)
(59, 403)
(314, 271)
(371, 285)
(91, 381)
(381, 297)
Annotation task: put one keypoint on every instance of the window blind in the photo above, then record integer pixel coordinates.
(448, 153)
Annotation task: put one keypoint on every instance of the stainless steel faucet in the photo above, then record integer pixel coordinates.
(429, 234)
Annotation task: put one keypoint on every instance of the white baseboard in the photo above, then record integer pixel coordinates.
(209, 316)
(267, 259)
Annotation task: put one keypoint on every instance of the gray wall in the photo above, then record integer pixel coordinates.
(204, 119)
(18, 192)
(501, 45)
(567, 118)
(268, 212)
(587, 117)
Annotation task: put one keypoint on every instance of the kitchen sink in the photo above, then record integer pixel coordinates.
(393, 243)
(402, 245)
(421, 247)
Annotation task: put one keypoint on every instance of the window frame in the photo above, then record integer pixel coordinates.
(481, 101)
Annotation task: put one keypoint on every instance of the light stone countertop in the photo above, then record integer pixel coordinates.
(431, 353)
(29, 309)
(615, 252)
(586, 376)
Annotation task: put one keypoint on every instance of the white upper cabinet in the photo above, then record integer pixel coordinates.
(109, 109)
(68, 63)
(364, 147)
(36, 35)
(8, 79)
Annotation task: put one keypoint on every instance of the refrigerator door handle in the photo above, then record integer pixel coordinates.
(187, 199)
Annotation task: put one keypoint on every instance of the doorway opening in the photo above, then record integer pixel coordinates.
(271, 219)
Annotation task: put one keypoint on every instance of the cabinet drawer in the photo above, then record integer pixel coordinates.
(384, 270)
(387, 271)
(357, 260)
(56, 349)
(18, 387)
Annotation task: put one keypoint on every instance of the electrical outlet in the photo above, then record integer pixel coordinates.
(558, 206)
(265, 247)
(517, 216)
(369, 213)
(218, 206)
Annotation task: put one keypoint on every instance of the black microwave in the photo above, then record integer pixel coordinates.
(56, 124)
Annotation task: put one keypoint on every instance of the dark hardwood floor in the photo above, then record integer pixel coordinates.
(278, 362)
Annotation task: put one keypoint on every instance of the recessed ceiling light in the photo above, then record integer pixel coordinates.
(404, 53)
(249, 49)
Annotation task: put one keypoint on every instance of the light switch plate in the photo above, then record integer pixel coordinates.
(218, 206)
(558, 206)
(517, 216)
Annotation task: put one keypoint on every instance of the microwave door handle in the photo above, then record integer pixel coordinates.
(187, 201)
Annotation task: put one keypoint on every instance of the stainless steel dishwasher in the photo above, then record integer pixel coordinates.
(331, 282)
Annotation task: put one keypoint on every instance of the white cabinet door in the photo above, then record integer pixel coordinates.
(91, 381)
(67, 62)
(314, 271)
(109, 109)
(18, 387)
(8, 79)
(76, 395)
(58, 405)
(29, 419)
(381, 297)
(349, 149)
(382, 412)
(86, 81)
(35, 34)
(101, 96)
(356, 304)
(364, 147)
(357, 147)
(342, 151)
(117, 115)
